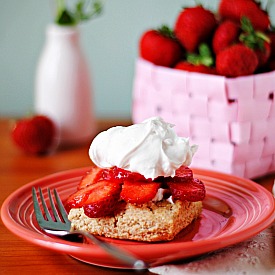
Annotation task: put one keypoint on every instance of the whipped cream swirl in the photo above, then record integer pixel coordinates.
(151, 148)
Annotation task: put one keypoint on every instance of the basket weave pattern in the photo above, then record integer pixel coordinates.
(232, 120)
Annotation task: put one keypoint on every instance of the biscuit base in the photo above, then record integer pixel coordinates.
(149, 222)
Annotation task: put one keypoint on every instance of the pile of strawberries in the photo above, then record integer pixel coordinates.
(236, 41)
(102, 191)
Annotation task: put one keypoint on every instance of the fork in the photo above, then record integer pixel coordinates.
(62, 227)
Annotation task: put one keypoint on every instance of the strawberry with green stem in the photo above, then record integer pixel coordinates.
(160, 47)
(201, 62)
(194, 26)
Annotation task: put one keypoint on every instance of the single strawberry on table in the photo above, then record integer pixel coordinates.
(193, 26)
(160, 47)
(34, 135)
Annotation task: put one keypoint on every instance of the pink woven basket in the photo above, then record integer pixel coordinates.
(232, 120)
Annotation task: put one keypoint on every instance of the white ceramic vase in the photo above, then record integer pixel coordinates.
(63, 89)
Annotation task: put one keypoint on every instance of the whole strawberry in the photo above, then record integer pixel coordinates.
(34, 135)
(236, 60)
(193, 26)
(236, 9)
(160, 47)
(226, 34)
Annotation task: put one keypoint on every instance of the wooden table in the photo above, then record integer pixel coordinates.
(16, 169)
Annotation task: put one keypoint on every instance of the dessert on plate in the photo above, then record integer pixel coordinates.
(140, 187)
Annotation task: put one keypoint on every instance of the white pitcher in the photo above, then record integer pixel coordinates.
(62, 86)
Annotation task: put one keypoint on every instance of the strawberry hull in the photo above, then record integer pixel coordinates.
(231, 119)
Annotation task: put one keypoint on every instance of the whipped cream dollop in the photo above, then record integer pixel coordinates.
(151, 148)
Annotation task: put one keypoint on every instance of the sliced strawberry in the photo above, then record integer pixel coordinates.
(77, 199)
(93, 176)
(139, 192)
(103, 200)
(183, 174)
(120, 175)
(192, 190)
(97, 200)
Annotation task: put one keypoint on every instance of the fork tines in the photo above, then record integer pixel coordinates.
(56, 212)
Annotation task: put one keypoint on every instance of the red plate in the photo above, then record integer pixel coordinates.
(234, 209)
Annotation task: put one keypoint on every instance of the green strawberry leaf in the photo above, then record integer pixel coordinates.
(204, 56)
(246, 25)
(166, 31)
(251, 38)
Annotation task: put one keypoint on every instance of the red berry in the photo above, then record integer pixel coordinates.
(192, 190)
(93, 176)
(225, 35)
(77, 199)
(97, 200)
(271, 36)
(120, 175)
(236, 60)
(236, 9)
(183, 174)
(160, 48)
(186, 66)
(271, 65)
(194, 26)
(263, 54)
(139, 192)
(34, 135)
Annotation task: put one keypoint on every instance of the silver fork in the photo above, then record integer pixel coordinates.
(61, 226)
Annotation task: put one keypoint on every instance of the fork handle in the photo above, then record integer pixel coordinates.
(116, 252)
